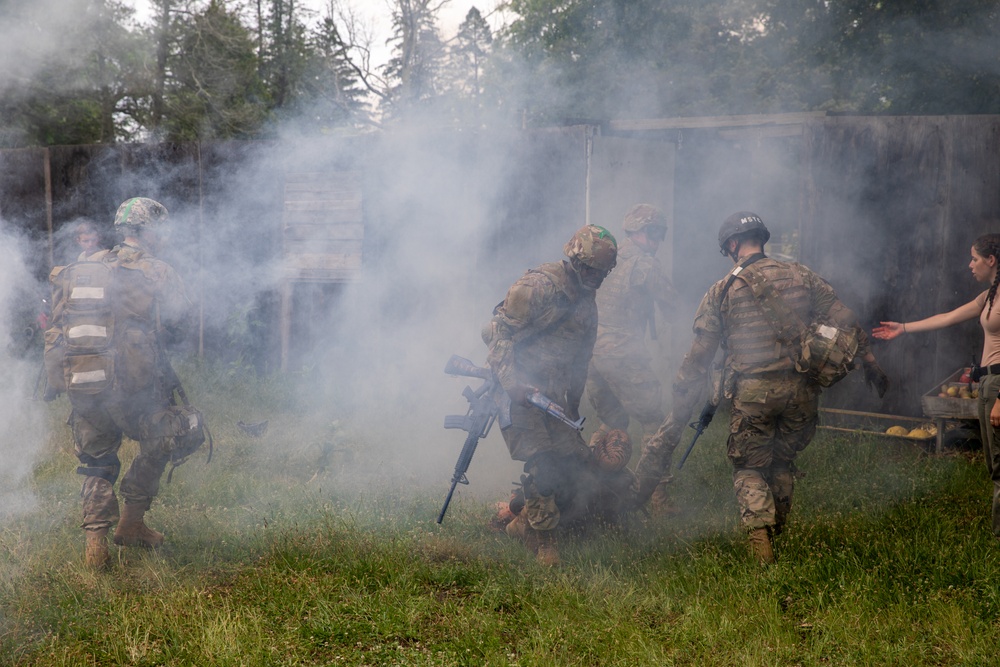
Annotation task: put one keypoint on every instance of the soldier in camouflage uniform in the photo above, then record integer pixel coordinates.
(622, 382)
(774, 408)
(121, 390)
(542, 336)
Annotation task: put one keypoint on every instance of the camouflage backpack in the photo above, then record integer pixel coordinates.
(78, 355)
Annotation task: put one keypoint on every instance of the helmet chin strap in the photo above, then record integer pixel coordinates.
(734, 254)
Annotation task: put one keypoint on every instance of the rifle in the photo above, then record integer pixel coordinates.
(477, 422)
(487, 404)
(704, 419)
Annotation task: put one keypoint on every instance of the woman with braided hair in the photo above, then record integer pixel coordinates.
(984, 264)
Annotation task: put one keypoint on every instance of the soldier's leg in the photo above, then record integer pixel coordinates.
(97, 440)
(655, 461)
(610, 411)
(782, 483)
(794, 430)
(753, 419)
(141, 482)
(528, 439)
(541, 484)
(139, 486)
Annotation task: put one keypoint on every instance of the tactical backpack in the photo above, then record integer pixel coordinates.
(78, 355)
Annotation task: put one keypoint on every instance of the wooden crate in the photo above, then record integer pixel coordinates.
(949, 407)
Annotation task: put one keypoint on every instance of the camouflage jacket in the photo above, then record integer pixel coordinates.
(543, 333)
(736, 321)
(626, 302)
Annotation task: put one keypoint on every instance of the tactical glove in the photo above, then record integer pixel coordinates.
(876, 378)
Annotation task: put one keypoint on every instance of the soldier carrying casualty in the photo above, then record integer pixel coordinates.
(541, 337)
(104, 350)
(771, 318)
(622, 382)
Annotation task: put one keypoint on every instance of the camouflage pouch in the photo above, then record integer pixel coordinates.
(183, 427)
(88, 373)
(827, 354)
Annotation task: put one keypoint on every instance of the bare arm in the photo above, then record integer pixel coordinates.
(890, 330)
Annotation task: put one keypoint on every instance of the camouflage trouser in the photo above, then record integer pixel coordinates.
(988, 387)
(623, 387)
(556, 463)
(98, 427)
(773, 418)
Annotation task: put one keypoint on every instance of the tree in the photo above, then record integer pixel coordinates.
(82, 79)
(215, 90)
(620, 58)
(412, 71)
(465, 79)
(331, 94)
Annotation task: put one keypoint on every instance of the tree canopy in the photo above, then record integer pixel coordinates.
(85, 71)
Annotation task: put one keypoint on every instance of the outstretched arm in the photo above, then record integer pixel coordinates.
(890, 330)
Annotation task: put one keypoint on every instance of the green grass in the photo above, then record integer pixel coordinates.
(283, 552)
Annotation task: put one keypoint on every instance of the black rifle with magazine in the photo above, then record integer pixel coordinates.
(487, 404)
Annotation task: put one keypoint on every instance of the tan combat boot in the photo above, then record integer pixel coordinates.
(547, 551)
(97, 556)
(761, 547)
(520, 529)
(132, 532)
(660, 503)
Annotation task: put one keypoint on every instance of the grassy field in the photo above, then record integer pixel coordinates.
(291, 558)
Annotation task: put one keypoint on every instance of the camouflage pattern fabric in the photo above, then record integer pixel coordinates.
(622, 383)
(145, 287)
(594, 246)
(140, 211)
(773, 418)
(774, 408)
(542, 335)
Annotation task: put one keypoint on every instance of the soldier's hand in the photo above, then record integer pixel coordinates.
(519, 394)
(876, 378)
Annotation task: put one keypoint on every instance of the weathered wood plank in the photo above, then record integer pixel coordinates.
(641, 124)
(322, 205)
(320, 231)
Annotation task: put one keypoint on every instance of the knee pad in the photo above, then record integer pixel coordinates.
(106, 467)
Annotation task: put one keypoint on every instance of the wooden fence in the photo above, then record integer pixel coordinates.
(886, 208)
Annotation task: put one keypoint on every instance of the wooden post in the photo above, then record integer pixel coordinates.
(47, 167)
(201, 254)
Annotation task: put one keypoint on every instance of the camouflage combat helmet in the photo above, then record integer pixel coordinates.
(594, 246)
(741, 222)
(139, 212)
(641, 216)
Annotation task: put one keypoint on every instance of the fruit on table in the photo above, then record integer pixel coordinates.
(897, 430)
